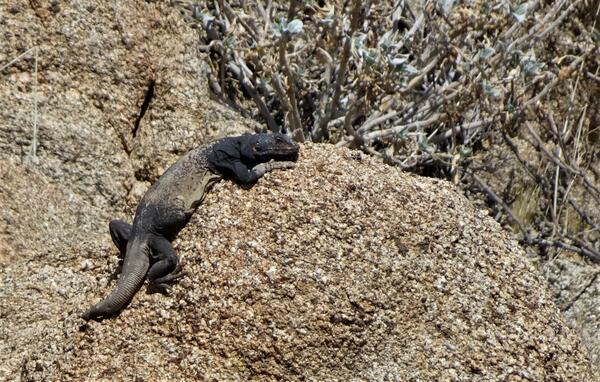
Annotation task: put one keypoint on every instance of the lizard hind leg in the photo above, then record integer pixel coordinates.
(120, 232)
(165, 268)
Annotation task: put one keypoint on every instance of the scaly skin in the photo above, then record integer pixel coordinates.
(170, 202)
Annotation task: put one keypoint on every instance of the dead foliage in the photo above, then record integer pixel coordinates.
(501, 97)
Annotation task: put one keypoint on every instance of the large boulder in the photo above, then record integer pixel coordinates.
(96, 151)
(341, 269)
(97, 64)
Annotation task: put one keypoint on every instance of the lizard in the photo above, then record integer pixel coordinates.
(145, 246)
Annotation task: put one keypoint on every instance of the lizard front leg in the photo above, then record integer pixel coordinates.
(244, 175)
(262, 168)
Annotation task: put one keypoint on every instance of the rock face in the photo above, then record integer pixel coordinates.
(98, 62)
(576, 287)
(341, 269)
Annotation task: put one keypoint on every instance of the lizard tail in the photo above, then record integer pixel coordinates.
(135, 267)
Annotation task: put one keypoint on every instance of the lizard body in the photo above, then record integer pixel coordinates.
(169, 203)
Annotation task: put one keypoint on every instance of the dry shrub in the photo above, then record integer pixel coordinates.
(502, 98)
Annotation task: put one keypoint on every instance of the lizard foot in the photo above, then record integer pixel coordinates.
(282, 164)
(162, 284)
(164, 289)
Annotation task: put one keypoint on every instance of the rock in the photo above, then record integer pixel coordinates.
(97, 64)
(343, 268)
(576, 287)
(340, 269)
(38, 217)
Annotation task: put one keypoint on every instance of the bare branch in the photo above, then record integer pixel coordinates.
(248, 87)
(590, 254)
(492, 195)
(321, 129)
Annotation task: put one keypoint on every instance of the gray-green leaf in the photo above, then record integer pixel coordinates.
(409, 69)
(596, 36)
(398, 61)
(446, 5)
(491, 91)
(465, 151)
(424, 145)
(295, 26)
(485, 53)
(520, 12)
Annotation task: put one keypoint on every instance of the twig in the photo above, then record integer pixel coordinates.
(549, 15)
(555, 199)
(503, 204)
(291, 90)
(350, 115)
(558, 20)
(592, 255)
(399, 129)
(581, 292)
(369, 124)
(18, 58)
(591, 76)
(247, 85)
(292, 10)
(591, 188)
(415, 81)
(432, 103)
(588, 220)
(543, 184)
(321, 129)
(284, 101)
(232, 16)
(455, 130)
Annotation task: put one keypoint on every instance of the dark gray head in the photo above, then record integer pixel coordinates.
(267, 146)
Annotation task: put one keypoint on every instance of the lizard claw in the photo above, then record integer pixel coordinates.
(282, 164)
(163, 289)
(161, 285)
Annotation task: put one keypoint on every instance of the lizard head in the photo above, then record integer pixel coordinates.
(273, 146)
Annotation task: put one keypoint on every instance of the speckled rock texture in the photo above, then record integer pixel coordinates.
(576, 290)
(340, 269)
(97, 62)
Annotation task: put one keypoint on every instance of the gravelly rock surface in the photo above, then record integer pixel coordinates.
(576, 290)
(341, 269)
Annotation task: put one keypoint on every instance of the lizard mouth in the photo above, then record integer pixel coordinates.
(287, 154)
(279, 153)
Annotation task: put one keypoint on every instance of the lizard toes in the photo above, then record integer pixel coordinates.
(164, 289)
(284, 164)
(176, 275)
